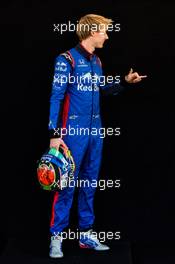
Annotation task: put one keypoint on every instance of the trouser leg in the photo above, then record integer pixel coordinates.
(62, 201)
(89, 177)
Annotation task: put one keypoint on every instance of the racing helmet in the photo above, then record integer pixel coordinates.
(55, 169)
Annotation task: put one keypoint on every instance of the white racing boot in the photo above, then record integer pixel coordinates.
(56, 247)
(90, 240)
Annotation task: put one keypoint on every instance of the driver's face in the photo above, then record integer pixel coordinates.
(99, 38)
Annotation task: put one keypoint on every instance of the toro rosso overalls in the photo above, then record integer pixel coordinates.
(74, 103)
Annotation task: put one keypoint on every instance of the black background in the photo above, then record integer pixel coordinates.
(142, 157)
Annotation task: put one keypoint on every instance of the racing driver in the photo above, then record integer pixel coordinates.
(74, 103)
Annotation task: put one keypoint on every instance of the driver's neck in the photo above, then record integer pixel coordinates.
(87, 44)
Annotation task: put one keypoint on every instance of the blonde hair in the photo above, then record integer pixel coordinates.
(90, 23)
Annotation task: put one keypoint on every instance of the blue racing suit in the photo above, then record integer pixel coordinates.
(74, 105)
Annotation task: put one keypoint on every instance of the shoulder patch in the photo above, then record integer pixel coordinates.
(67, 55)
